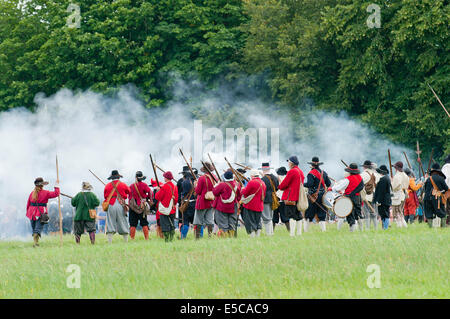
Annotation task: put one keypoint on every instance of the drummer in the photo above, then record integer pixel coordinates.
(317, 182)
(351, 186)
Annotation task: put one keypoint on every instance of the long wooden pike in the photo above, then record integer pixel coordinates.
(215, 169)
(208, 170)
(68, 196)
(390, 162)
(154, 170)
(189, 166)
(97, 177)
(407, 161)
(418, 152)
(59, 204)
(243, 166)
(344, 163)
(429, 162)
(234, 172)
(437, 97)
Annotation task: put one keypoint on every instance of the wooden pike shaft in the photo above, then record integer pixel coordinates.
(97, 177)
(407, 161)
(215, 169)
(431, 158)
(163, 171)
(437, 97)
(243, 166)
(207, 169)
(187, 163)
(154, 170)
(66, 195)
(59, 204)
(234, 172)
(344, 163)
(390, 162)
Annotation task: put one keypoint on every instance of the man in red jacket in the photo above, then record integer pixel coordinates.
(253, 202)
(291, 187)
(228, 194)
(116, 216)
(139, 193)
(167, 196)
(204, 211)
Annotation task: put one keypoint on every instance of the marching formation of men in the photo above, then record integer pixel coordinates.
(205, 201)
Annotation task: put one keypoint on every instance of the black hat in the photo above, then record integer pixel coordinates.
(282, 171)
(115, 175)
(140, 176)
(436, 168)
(185, 170)
(265, 166)
(40, 182)
(383, 170)
(352, 169)
(407, 171)
(447, 159)
(293, 159)
(367, 164)
(315, 161)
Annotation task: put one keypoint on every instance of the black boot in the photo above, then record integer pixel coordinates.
(288, 227)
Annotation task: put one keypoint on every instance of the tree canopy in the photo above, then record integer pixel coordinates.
(319, 53)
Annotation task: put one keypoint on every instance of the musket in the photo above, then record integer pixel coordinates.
(344, 163)
(207, 169)
(154, 170)
(390, 163)
(215, 169)
(429, 162)
(59, 204)
(439, 100)
(243, 166)
(418, 158)
(407, 161)
(234, 172)
(163, 171)
(187, 163)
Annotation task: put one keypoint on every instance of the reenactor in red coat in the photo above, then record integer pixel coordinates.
(167, 196)
(204, 210)
(140, 192)
(291, 190)
(253, 202)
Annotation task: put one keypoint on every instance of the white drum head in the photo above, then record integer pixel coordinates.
(343, 206)
(328, 199)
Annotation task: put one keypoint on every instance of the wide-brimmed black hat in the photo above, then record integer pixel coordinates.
(315, 161)
(383, 170)
(40, 182)
(140, 176)
(281, 171)
(436, 168)
(185, 170)
(115, 175)
(352, 169)
(367, 164)
(265, 166)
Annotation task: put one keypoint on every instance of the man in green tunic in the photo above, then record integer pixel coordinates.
(83, 202)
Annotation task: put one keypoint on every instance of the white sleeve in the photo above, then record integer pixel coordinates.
(446, 171)
(340, 185)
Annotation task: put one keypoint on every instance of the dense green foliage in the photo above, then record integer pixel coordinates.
(308, 52)
(413, 264)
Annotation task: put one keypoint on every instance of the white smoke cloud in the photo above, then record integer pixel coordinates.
(92, 131)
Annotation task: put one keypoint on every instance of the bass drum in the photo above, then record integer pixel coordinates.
(342, 206)
(328, 199)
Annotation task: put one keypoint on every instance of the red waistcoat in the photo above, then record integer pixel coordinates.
(354, 181)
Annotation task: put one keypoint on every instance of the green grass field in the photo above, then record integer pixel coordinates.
(414, 263)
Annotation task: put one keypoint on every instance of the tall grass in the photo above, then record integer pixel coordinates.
(414, 263)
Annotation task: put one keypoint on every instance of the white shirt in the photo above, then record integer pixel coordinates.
(366, 174)
(446, 171)
(400, 184)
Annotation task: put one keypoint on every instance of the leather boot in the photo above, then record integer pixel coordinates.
(132, 232)
(36, 240)
(145, 230)
(210, 230)
(92, 237)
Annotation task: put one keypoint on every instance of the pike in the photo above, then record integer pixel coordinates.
(215, 169)
(234, 172)
(390, 163)
(59, 204)
(207, 169)
(243, 166)
(418, 151)
(154, 170)
(344, 163)
(66, 195)
(448, 114)
(429, 162)
(187, 163)
(407, 161)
